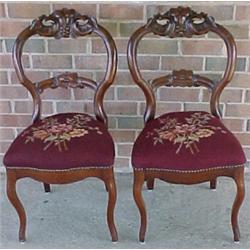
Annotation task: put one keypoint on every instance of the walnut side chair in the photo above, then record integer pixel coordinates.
(67, 147)
(185, 147)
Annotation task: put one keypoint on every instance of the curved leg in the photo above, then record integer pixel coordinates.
(46, 188)
(213, 184)
(13, 198)
(111, 188)
(137, 191)
(150, 184)
(239, 180)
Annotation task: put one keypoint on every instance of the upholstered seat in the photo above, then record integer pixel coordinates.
(62, 141)
(186, 141)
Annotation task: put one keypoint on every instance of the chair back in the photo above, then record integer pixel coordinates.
(66, 23)
(175, 23)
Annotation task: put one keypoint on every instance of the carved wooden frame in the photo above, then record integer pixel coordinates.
(183, 22)
(64, 23)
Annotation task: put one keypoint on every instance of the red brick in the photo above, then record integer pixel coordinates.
(144, 62)
(68, 46)
(5, 107)
(13, 120)
(88, 94)
(121, 11)
(2, 11)
(244, 138)
(122, 78)
(176, 63)
(10, 28)
(3, 78)
(6, 61)
(227, 96)
(4, 145)
(196, 107)
(7, 134)
(128, 28)
(242, 12)
(163, 107)
(130, 93)
(99, 47)
(239, 31)
(91, 62)
(238, 110)
(69, 106)
(219, 12)
(233, 124)
(247, 99)
(243, 48)
(27, 10)
(124, 150)
(156, 46)
(240, 80)
(52, 61)
(247, 152)
(34, 76)
(13, 92)
(197, 47)
(179, 94)
(26, 107)
(56, 94)
(120, 108)
(84, 9)
(123, 135)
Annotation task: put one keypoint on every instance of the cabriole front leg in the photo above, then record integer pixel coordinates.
(111, 188)
(137, 191)
(13, 198)
(239, 180)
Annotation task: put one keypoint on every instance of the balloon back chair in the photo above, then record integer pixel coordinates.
(185, 147)
(67, 147)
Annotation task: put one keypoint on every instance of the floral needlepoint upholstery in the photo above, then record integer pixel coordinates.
(62, 141)
(186, 141)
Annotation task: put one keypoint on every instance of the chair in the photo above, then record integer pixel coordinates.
(185, 147)
(67, 147)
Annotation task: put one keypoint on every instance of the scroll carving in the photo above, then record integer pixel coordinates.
(64, 23)
(182, 78)
(180, 22)
(67, 80)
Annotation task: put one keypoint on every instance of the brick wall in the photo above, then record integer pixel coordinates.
(124, 102)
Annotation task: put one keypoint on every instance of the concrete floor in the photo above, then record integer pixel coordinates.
(74, 216)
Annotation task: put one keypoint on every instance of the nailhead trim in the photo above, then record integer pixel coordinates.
(59, 170)
(188, 171)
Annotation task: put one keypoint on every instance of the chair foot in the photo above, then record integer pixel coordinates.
(239, 180)
(213, 184)
(111, 188)
(13, 198)
(150, 184)
(137, 192)
(46, 188)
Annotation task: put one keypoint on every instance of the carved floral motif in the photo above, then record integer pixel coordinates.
(180, 22)
(64, 23)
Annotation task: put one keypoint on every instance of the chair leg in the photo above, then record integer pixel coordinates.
(13, 198)
(137, 191)
(239, 180)
(150, 184)
(213, 184)
(111, 188)
(46, 188)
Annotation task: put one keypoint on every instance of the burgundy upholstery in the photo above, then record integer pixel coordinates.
(186, 141)
(60, 142)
